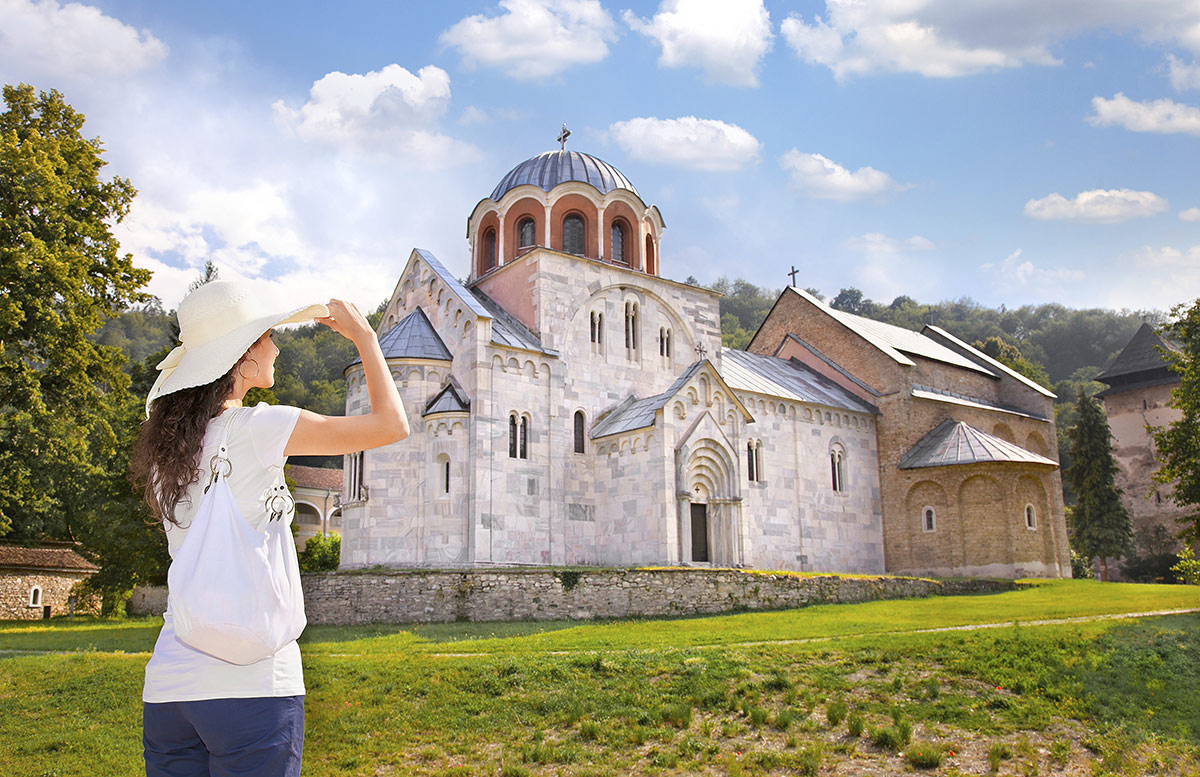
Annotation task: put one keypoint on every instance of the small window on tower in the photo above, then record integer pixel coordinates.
(526, 233)
(573, 234)
(929, 520)
(618, 243)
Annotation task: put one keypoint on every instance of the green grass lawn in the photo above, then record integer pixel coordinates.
(840, 689)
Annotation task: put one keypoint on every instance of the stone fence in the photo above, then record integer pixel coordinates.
(423, 596)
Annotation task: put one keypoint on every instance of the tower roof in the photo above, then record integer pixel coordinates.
(551, 168)
(1139, 356)
(413, 337)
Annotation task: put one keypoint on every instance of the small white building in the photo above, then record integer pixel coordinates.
(571, 406)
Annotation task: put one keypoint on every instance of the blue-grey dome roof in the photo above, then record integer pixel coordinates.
(551, 168)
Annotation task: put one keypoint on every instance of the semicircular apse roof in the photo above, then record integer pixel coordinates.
(551, 168)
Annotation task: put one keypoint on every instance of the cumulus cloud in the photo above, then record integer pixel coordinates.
(688, 142)
(1191, 215)
(1183, 76)
(1098, 206)
(48, 40)
(1163, 116)
(817, 176)
(725, 38)
(389, 111)
(891, 266)
(1015, 271)
(950, 38)
(534, 39)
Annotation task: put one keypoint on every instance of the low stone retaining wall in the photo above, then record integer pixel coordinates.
(342, 598)
(423, 596)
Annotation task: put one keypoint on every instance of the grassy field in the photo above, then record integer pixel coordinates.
(844, 689)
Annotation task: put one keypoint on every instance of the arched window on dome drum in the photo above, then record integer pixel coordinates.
(580, 422)
(617, 238)
(489, 249)
(573, 234)
(526, 233)
(650, 266)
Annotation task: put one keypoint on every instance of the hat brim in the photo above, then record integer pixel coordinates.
(205, 363)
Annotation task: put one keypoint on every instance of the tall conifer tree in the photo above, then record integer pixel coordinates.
(1100, 522)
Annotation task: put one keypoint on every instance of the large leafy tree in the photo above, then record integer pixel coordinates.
(62, 276)
(1178, 445)
(1100, 524)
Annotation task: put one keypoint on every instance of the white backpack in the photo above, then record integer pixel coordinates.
(235, 592)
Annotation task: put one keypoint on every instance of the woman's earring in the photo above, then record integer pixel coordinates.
(244, 375)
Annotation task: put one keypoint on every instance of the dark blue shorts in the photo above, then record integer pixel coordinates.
(263, 737)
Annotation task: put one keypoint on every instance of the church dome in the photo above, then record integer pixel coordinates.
(551, 168)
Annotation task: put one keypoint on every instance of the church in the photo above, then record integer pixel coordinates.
(572, 406)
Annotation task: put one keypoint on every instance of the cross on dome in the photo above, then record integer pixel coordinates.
(562, 136)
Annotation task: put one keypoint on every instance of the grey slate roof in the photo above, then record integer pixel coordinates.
(974, 354)
(440, 270)
(633, 413)
(449, 400)
(790, 379)
(895, 341)
(413, 337)
(954, 442)
(506, 329)
(941, 395)
(549, 169)
(1139, 356)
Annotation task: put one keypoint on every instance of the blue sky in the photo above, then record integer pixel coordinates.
(1012, 151)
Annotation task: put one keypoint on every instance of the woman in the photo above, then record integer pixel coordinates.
(202, 715)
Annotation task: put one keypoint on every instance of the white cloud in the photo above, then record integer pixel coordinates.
(725, 38)
(534, 39)
(389, 111)
(890, 266)
(1164, 116)
(48, 40)
(1098, 206)
(1191, 214)
(473, 115)
(1017, 272)
(1183, 76)
(876, 243)
(817, 176)
(688, 142)
(950, 38)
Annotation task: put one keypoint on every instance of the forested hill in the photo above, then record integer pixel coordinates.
(1063, 347)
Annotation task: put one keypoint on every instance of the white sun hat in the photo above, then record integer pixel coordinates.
(218, 323)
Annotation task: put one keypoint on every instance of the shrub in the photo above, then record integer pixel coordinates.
(321, 553)
(886, 737)
(1081, 568)
(1188, 567)
(855, 724)
(835, 713)
(997, 754)
(924, 755)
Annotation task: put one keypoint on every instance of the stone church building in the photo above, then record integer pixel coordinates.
(571, 406)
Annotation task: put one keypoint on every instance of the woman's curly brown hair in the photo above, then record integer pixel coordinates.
(166, 456)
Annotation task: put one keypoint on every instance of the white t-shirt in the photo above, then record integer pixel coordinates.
(177, 672)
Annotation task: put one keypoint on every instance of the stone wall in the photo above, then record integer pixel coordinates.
(342, 598)
(55, 587)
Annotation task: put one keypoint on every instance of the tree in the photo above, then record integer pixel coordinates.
(62, 276)
(1010, 356)
(321, 553)
(1177, 445)
(1100, 523)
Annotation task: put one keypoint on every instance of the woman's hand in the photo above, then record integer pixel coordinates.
(345, 319)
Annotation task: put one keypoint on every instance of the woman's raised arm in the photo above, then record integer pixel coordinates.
(324, 435)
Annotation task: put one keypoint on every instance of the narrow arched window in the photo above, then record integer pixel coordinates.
(835, 470)
(631, 326)
(668, 343)
(650, 265)
(662, 341)
(526, 233)
(758, 467)
(593, 337)
(524, 437)
(573, 234)
(580, 422)
(512, 436)
(1030, 517)
(617, 243)
(489, 249)
(443, 470)
(35, 596)
(751, 472)
(928, 520)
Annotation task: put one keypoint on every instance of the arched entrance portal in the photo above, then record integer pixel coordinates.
(710, 507)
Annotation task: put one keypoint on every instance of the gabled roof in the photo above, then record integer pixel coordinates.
(506, 329)
(954, 442)
(941, 395)
(315, 477)
(53, 556)
(1140, 355)
(446, 277)
(895, 341)
(988, 362)
(449, 400)
(634, 413)
(744, 371)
